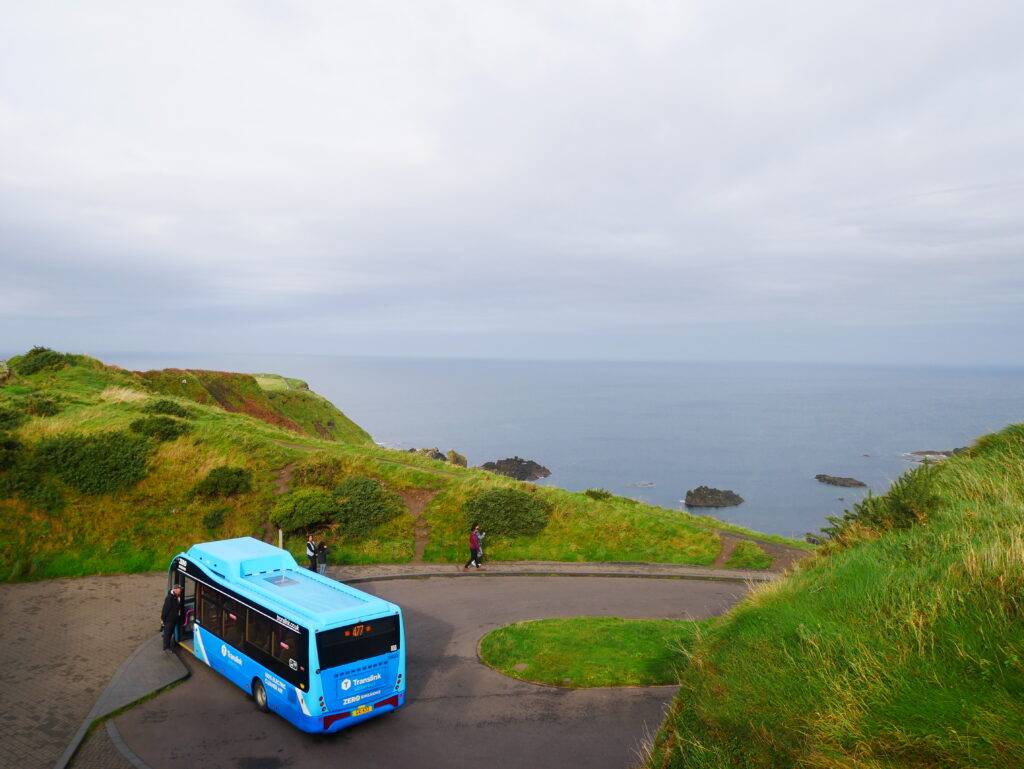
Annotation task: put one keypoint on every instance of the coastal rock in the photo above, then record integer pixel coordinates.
(433, 453)
(933, 456)
(456, 458)
(705, 496)
(835, 480)
(518, 468)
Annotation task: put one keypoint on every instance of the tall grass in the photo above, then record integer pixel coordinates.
(902, 644)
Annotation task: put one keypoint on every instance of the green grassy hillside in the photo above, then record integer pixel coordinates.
(104, 470)
(901, 644)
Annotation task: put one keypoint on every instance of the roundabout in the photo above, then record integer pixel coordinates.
(459, 712)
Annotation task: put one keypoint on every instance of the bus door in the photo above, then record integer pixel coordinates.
(188, 611)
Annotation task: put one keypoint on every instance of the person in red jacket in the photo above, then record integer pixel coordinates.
(474, 547)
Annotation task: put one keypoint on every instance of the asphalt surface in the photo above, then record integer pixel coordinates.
(460, 713)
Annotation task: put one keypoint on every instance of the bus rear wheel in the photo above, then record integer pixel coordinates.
(259, 696)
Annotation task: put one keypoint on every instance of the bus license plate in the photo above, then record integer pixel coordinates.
(362, 709)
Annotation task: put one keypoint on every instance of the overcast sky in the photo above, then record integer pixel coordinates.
(712, 180)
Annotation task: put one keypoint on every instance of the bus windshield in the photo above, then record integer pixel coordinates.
(357, 642)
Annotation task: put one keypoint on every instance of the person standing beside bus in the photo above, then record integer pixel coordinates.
(169, 615)
(311, 552)
(474, 547)
(321, 558)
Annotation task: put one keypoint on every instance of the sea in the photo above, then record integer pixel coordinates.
(653, 430)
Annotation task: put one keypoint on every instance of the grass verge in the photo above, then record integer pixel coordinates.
(582, 652)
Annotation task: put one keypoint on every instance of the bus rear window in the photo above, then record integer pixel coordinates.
(357, 642)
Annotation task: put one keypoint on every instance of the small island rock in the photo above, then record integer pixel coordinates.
(835, 480)
(518, 468)
(433, 453)
(705, 496)
(934, 456)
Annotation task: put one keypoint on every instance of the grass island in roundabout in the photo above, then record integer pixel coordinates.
(582, 652)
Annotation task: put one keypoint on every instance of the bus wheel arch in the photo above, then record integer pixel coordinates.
(259, 695)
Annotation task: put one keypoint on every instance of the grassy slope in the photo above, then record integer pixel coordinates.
(903, 648)
(591, 651)
(140, 528)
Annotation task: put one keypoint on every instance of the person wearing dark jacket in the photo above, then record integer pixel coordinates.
(169, 615)
(321, 558)
(311, 548)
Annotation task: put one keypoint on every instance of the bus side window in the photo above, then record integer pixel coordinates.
(209, 610)
(286, 645)
(234, 622)
(258, 631)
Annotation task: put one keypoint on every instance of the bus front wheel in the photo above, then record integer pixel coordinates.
(259, 696)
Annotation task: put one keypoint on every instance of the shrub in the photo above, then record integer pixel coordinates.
(507, 511)
(160, 428)
(11, 418)
(96, 464)
(214, 519)
(598, 494)
(168, 407)
(320, 471)
(41, 406)
(910, 499)
(363, 505)
(10, 450)
(39, 359)
(26, 478)
(456, 458)
(303, 509)
(23, 476)
(224, 482)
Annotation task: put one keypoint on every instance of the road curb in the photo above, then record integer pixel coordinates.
(111, 699)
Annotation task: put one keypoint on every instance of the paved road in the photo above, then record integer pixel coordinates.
(460, 713)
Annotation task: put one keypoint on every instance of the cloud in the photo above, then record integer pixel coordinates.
(709, 179)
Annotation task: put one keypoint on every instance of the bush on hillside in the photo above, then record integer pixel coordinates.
(5, 370)
(599, 494)
(10, 450)
(168, 407)
(161, 428)
(322, 471)
(457, 459)
(40, 359)
(224, 482)
(363, 505)
(910, 500)
(214, 519)
(96, 464)
(303, 509)
(11, 418)
(24, 478)
(509, 512)
(42, 406)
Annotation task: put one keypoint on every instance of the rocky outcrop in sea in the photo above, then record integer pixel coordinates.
(518, 468)
(705, 496)
(933, 456)
(836, 480)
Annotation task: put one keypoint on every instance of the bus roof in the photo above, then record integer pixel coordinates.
(269, 575)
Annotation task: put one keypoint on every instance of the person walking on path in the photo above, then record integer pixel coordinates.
(321, 558)
(311, 552)
(474, 547)
(169, 615)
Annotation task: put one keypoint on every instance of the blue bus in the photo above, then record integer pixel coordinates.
(319, 653)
